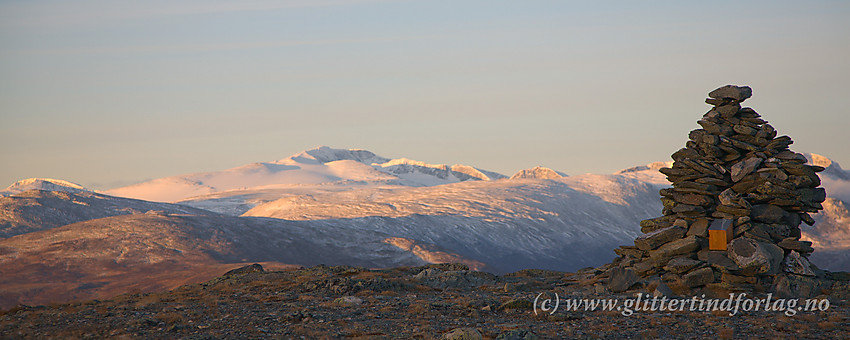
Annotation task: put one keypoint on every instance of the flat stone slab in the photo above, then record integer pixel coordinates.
(739, 93)
(699, 277)
(659, 237)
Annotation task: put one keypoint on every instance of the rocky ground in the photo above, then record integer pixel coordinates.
(435, 301)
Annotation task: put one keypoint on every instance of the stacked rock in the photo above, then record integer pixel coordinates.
(736, 172)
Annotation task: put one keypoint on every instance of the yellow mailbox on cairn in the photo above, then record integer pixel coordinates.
(720, 233)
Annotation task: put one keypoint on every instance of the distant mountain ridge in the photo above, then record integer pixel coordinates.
(48, 184)
(37, 210)
(322, 165)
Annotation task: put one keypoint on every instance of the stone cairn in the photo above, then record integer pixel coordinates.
(737, 177)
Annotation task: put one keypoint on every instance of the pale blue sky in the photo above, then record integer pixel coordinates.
(108, 93)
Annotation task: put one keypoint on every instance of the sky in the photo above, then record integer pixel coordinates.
(110, 93)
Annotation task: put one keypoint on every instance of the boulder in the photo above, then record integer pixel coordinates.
(462, 334)
(798, 286)
(754, 257)
(663, 290)
(796, 264)
(621, 279)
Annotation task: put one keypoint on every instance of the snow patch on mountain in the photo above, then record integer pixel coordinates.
(431, 253)
(325, 154)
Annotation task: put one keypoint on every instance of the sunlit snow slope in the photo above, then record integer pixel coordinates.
(322, 165)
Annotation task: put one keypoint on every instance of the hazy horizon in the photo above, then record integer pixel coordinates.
(110, 93)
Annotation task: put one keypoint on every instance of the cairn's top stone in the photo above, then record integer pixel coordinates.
(739, 93)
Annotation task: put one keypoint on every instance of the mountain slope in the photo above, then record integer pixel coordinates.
(154, 251)
(563, 224)
(830, 236)
(48, 184)
(322, 165)
(37, 210)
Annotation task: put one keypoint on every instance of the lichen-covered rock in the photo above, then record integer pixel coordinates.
(737, 93)
(462, 334)
(621, 279)
(681, 264)
(796, 264)
(659, 237)
(799, 287)
(517, 334)
(699, 277)
(791, 243)
(678, 247)
(754, 257)
(719, 260)
(454, 278)
(348, 301)
(663, 290)
(767, 213)
(699, 228)
(745, 167)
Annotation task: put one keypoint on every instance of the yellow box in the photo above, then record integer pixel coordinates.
(720, 233)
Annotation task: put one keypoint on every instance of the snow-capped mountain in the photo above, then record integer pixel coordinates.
(538, 172)
(48, 184)
(486, 220)
(322, 165)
